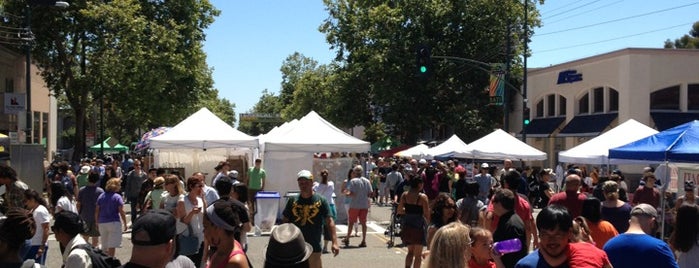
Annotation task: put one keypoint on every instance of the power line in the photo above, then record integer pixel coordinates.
(572, 9)
(584, 12)
(555, 9)
(620, 19)
(613, 39)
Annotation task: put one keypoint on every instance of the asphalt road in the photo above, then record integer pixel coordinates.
(376, 254)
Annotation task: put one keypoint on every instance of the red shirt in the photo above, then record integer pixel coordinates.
(646, 195)
(584, 255)
(472, 264)
(522, 209)
(572, 201)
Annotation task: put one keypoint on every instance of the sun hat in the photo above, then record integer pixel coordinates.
(85, 169)
(287, 246)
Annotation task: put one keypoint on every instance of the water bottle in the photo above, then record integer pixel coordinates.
(507, 246)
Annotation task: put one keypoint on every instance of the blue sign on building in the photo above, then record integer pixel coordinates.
(569, 76)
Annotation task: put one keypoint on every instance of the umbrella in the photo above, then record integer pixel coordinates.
(144, 143)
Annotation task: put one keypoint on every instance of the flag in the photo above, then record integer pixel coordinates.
(496, 88)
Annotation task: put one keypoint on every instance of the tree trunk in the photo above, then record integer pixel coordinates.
(79, 138)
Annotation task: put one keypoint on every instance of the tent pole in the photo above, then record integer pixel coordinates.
(662, 201)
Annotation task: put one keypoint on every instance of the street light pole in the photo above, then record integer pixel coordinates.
(28, 58)
(28, 70)
(524, 80)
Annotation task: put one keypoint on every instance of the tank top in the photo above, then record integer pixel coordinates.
(413, 208)
(231, 255)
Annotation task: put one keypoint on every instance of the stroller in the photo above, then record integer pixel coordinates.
(393, 229)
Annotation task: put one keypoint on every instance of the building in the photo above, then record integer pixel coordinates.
(575, 101)
(13, 93)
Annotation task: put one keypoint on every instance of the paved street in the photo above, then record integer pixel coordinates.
(375, 254)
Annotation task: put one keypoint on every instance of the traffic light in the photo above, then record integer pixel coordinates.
(424, 61)
(525, 116)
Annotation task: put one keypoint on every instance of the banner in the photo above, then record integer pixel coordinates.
(14, 103)
(496, 88)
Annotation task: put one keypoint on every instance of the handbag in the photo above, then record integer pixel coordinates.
(188, 244)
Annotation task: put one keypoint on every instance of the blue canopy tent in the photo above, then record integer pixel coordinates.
(679, 144)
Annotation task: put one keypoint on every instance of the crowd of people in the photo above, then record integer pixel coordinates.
(451, 214)
(587, 219)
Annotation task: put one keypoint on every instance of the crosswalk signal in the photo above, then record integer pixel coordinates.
(424, 60)
(525, 116)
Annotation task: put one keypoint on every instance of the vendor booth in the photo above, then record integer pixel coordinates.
(291, 148)
(200, 142)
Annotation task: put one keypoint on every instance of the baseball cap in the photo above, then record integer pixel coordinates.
(422, 162)
(305, 174)
(644, 210)
(485, 165)
(155, 227)
(233, 174)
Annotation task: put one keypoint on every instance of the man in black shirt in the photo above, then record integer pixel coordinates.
(509, 226)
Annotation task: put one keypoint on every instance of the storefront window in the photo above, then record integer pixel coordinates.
(613, 100)
(598, 101)
(562, 102)
(584, 104)
(693, 97)
(551, 105)
(666, 99)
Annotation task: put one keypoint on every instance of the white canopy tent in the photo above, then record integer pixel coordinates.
(199, 142)
(291, 149)
(596, 150)
(452, 145)
(417, 151)
(500, 145)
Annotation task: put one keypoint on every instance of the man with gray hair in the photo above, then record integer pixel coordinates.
(636, 247)
(359, 188)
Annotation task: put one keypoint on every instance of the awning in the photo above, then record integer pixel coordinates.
(667, 120)
(587, 125)
(543, 127)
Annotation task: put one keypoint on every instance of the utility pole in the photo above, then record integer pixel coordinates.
(28, 71)
(524, 80)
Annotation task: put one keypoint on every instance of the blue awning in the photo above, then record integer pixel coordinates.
(667, 120)
(587, 125)
(543, 127)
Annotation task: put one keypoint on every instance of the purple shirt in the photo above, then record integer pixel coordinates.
(87, 196)
(109, 203)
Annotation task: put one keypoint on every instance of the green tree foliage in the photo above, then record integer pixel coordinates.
(142, 58)
(268, 104)
(690, 40)
(376, 45)
(306, 86)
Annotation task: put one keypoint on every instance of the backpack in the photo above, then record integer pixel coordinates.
(98, 258)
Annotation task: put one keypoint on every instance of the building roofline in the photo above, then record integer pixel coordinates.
(612, 54)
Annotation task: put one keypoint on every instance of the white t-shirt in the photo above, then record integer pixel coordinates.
(41, 216)
(326, 190)
(66, 204)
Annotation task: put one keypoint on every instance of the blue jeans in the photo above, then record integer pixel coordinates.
(33, 250)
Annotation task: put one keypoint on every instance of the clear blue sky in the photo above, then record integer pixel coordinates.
(248, 42)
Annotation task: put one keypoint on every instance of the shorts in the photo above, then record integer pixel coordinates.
(110, 234)
(360, 213)
(91, 229)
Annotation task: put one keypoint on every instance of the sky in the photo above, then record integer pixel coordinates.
(250, 40)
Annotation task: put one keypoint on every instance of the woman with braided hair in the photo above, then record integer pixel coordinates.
(15, 227)
(221, 225)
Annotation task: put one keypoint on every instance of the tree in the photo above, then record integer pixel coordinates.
(142, 59)
(376, 44)
(690, 40)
